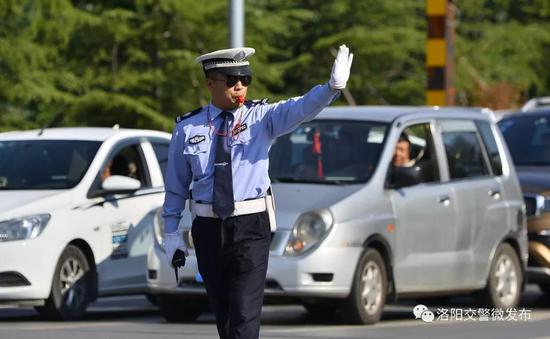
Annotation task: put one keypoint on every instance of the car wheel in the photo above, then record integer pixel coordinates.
(505, 279)
(177, 309)
(71, 287)
(366, 301)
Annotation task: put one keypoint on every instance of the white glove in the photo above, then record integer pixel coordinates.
(172, 242)
(340, 70)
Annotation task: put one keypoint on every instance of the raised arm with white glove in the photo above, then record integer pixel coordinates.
(341, 68)
(173, 241)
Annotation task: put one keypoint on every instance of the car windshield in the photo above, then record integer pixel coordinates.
(44, 164)
(528, 138)
(328, 152)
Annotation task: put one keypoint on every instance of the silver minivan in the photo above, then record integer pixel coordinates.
(379, 203)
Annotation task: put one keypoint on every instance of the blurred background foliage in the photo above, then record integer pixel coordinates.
(98, 63)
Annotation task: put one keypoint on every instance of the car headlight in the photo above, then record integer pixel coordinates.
(309, 230)
(158, 227)
(23, 228)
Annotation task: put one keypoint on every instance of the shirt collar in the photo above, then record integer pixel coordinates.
(215, 111)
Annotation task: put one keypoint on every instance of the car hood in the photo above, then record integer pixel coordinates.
(18, 203)
(291, 200)
(534, 179)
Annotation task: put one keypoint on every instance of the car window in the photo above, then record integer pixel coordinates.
(328, 151)
(491, 147)
(528, 138)
(462, 147)
(44, 164)
(161, 151)
(126, 162)
(415, 149)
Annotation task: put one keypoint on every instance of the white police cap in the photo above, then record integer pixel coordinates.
(232, 61)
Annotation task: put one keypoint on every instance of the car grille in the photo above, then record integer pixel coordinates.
(276, 240)
(270, 284)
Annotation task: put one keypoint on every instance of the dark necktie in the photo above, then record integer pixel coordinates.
(223, 176)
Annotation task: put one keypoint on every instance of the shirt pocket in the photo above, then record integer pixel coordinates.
(241, 143)
(197, 155)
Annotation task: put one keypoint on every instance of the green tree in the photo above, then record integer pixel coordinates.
(104, 62)
(499, 43)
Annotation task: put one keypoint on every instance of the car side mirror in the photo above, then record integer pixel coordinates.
(401, 177)
(120, 184)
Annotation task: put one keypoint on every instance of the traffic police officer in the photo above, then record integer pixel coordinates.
(222, 150)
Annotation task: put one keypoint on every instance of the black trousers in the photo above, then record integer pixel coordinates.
(232, 258)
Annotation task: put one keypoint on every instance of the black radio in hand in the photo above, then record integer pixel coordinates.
(178, 260)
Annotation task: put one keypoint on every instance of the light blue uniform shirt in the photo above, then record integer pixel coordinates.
(193, 148)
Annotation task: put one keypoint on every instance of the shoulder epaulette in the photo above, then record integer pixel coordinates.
(250, 103)
(187, 115)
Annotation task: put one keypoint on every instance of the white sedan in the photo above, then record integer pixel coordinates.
(76, 208)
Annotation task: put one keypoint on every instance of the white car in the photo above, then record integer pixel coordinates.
(76, 208)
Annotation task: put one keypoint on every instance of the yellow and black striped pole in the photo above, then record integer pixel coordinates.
(440, 52)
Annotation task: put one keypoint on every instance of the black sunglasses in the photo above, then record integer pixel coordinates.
(231, 80)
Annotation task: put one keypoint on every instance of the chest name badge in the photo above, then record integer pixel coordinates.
(197, 139)
(239, 128)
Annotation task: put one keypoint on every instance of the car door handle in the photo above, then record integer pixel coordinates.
(495, 194)
(445, 200)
